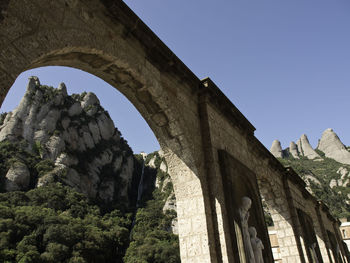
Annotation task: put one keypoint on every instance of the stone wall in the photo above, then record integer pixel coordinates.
(345, 233)
(107, 39)
(191, 119)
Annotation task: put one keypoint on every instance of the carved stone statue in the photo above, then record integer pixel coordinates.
(257, 245)
(313, 252)
(243, 212)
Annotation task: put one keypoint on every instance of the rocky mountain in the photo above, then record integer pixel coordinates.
(329, 145)
(65, 168)
(76, 137)
(276, 149)
(326, 169)
(300, 149)
(333, 148)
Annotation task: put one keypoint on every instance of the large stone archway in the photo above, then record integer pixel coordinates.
(88, 36)
(192, 119)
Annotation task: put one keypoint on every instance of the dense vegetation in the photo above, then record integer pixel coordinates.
(319, 175)
(2, 117)
(151, 237)
(54, 223)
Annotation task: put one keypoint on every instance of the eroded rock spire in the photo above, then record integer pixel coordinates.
(305, 148)
(333, 148)
(276, 149)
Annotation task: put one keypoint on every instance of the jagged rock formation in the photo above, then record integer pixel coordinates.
(17, 177)
(305, 149)
(162, 182)
(333, 148)
(343, 180)
(53, 140)
(77, 135)
(329, 144)
(329, 178)
(301, 148)
(276, 149)
(293, 149)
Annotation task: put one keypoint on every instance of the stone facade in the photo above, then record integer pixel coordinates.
(345, 233)
(192, 120)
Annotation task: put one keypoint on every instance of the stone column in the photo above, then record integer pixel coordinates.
(324, 234)
(295, 223)
(215, 211)
(336, 225)
(195, 231)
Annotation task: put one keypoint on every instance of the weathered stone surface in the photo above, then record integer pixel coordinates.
(117, 163)
(95, 131)
(134, 58)
(54, 147)
(48, 124)
(163, 167)
(63, 89)
(75, 109)
(54, 129)
(276, 149)
(312, 178)
(73, 179)
(333, 148)
(344, 179)
(151, 162)
(65, 123)
(107, 190)
(127, 169)
(293, 150)
(71, 137)
(90, 99)
(333, 183)
(106, 126)
(343, 172)
(305, 149)
(17, 177)
(45, 180)
(66, 160)
(13, 124)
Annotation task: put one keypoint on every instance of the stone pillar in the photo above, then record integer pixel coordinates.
(324, 235)
(275, 198)
(195, 233)
(336, 226)
(297, 245)
(214, 209)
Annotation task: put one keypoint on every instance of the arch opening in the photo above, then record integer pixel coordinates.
(108, 40)
(159, 184)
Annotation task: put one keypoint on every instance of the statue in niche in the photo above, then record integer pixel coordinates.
(313, 252)
(257, 245)
(243, 212)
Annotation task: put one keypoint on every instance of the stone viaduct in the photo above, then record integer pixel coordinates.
(213, 156)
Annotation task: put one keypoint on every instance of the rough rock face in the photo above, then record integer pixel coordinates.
(305, 149)
(294, 150)
(77, 134)
(329, 144)
(333, 148)
(17, 177)
(158, 163)
(276, 149)
(344, 179)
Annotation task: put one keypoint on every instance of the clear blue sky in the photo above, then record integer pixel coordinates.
(284, 64)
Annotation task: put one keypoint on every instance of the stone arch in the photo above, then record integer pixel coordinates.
(146, 94)
(272, 191)
(88, 36)
(118, 63)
